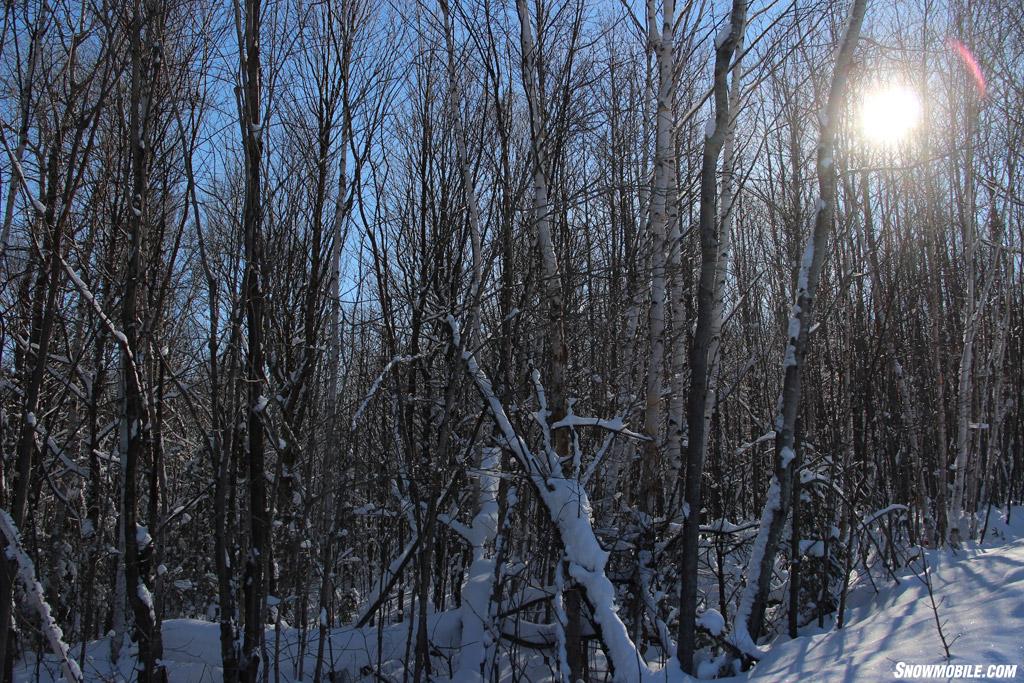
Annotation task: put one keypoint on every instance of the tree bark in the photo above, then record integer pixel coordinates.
(750, 616)
(134, 421)
(708, 329)
(651, 498)
(250, 117)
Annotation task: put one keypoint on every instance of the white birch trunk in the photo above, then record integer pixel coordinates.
(650, 488)
(957, 520)
(727, 219)
(750, 615)
(478, 639)
(567, 502)
(710, 290)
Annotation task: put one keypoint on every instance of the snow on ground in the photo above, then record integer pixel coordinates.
(192, 652)
(981, 590)
(982, 594)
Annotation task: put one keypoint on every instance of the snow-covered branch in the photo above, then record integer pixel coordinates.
(26, 576)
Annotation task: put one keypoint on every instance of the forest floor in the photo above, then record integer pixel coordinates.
(979, 593)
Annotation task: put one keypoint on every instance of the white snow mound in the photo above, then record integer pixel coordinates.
(981, 591)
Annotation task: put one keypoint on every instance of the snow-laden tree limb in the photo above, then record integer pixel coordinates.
(569, 506)
(376, 385)
(26, 575)
(478, 588)
(895, 507)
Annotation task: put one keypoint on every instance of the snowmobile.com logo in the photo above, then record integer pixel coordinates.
(954, 671)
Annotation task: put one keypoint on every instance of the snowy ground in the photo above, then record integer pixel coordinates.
(981, 590)
(982, 594)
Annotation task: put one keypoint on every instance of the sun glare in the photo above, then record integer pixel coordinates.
(889, 114)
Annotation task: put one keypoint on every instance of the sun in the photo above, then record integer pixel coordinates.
(889, 114)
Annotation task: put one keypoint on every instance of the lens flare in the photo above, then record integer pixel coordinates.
(889, 114)
(971, 63)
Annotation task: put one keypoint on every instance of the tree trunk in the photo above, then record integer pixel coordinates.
(44, 304)
(651, 499)
(557, 349)
(250, 103)
(750, 616)
(709, 326)
(134, 421)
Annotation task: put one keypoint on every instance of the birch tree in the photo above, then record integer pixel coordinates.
(750, 616)
(709, 323)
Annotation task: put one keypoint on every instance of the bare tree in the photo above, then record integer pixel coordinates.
(750, 616)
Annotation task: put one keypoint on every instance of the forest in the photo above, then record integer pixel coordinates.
(507, 340)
